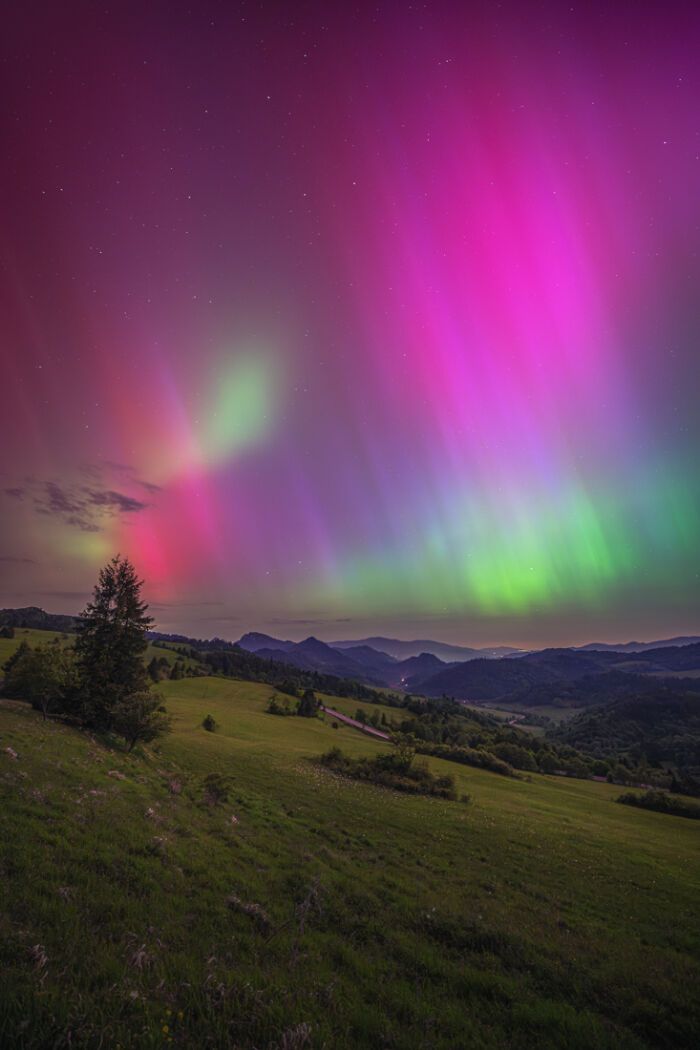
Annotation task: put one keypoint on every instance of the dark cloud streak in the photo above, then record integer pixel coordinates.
(82, 506)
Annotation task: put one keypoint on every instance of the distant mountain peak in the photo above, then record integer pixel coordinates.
(254, 640)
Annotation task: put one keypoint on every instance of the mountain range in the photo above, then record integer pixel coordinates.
(431, 668)
(480, 677)
(393, 647)
(639, 647)
(401, 650)
(549, 673)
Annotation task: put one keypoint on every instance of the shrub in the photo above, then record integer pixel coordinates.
(210, 724)
(466, 756)
(274, 707)
(516, 756)
(661, 802)
(216, 788)
(393, 770)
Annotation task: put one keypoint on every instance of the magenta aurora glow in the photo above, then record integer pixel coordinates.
(344, 321)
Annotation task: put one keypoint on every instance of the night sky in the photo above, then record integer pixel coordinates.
(342, 319)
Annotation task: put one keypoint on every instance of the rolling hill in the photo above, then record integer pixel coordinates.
(660, 727)
(233, 893)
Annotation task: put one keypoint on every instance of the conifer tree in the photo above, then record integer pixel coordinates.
(111, 644)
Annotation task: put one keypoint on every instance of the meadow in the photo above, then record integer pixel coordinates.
(35, 638)
(222, 890)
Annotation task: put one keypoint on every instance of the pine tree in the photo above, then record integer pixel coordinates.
(111, 644)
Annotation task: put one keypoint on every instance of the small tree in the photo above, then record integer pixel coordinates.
(308, 705)
(176, 672)
(154, 670)
(12, 661)
(140, 717)
(46, 677)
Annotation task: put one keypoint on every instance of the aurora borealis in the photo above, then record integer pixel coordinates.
(336, 320)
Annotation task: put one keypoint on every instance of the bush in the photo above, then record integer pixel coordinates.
(210, 724)
(466, 756)
(516, 756)
(216, 788)
(393, 770)
(274, 707)
(661, 802)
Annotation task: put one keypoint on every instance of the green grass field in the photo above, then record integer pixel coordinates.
(35, 638)
(541, 914)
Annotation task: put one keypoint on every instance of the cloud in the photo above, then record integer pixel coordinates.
(128, 470)
(10, 559)
(116, 501)
(99, 492)
(85, 507)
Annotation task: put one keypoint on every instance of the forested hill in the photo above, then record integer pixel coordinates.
(37, 619)
(493, 680)
(661, 728)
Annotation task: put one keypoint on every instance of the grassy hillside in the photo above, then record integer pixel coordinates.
(35, 638)
(31, 637)
(306, 911)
